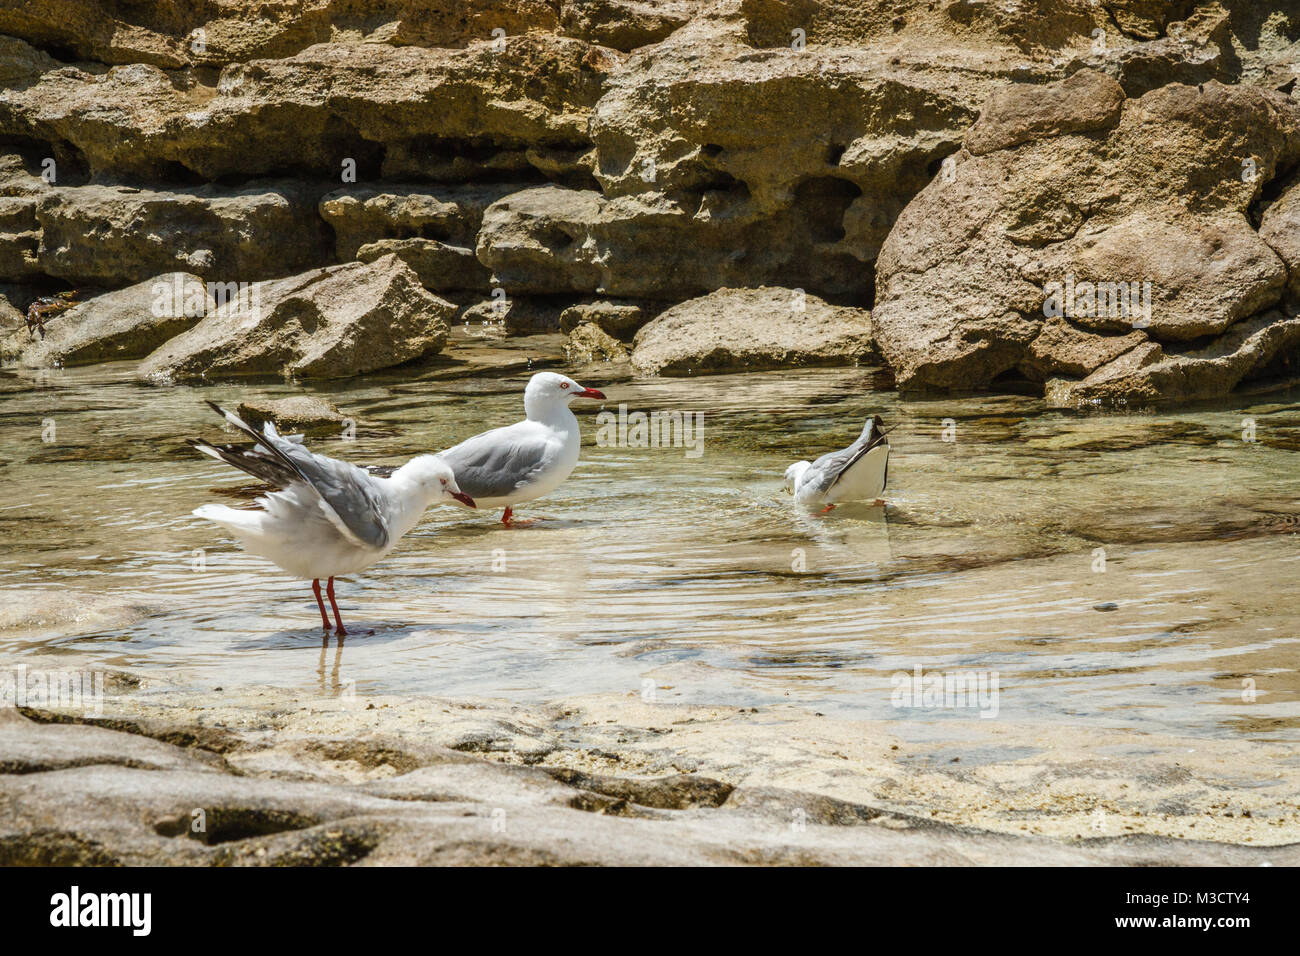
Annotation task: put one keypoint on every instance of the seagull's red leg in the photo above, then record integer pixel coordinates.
(505, 518)
(315, 587)
(329, 589)
(827, 510)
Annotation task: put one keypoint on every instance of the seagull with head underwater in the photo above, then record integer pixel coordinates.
(329, 518)
(507, 466)
(856, 473)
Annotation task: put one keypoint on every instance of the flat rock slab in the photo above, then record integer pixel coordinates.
(307, 414)
(83, 795)
(735, 330)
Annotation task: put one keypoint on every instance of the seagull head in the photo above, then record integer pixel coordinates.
(793, 474)
(435, 479)
(550, 389)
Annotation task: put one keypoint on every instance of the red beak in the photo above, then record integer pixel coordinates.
(589, 393)
(464, 498)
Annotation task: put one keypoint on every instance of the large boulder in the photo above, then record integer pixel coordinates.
(126, 324)
(329, 323)
(1051, 248)
(734, 330)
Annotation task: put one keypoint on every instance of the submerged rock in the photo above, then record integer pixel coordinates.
(330, 323)
(735, 330)
(307, 414)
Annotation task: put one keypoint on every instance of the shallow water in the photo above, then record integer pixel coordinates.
(694, 578)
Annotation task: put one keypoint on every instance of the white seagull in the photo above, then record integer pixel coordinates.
(506, 466)
(856, 473)
(329, 517)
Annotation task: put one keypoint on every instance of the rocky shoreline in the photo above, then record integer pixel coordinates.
(930, 171)
(262, 776)
(1093, 203)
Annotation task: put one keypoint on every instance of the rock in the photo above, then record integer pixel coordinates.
(1266, 345)
(126, 324)
(30, 747)
(1085, 102)
(365, 214)
(20, 238)
(1061, 347)
(171, 35)
(1280, 228)
(523, 314)
(678, 792)
(751, 329)
(588, 343)
(1136, 234)
(312, 111)
(115, 234)
(537, 241)
(307, 414)
(329, 323)
(41, 612)
(78, 795)
(625, 24)
(148, 32)
(618, 318)
(439, 266)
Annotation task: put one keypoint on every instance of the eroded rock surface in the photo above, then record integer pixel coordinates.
(174, 788)
(328, 323)
(1115, 247)
(661, 151)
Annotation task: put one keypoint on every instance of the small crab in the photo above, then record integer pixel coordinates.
(48, 306)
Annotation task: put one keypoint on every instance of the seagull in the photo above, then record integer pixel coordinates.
(856, 473)
(521, 462)
(329, 518)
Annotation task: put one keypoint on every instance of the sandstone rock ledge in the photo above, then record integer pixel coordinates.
(172, 786)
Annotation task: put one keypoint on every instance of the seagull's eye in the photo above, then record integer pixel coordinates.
(564, 385)
(444, 481)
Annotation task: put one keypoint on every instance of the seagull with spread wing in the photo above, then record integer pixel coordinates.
(329, 518)
(856, 473)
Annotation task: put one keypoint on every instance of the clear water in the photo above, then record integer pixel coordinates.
(695, 576)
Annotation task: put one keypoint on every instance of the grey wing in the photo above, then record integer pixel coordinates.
(496, 464)
(350, 498)
(358, 502)
(832, 465)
